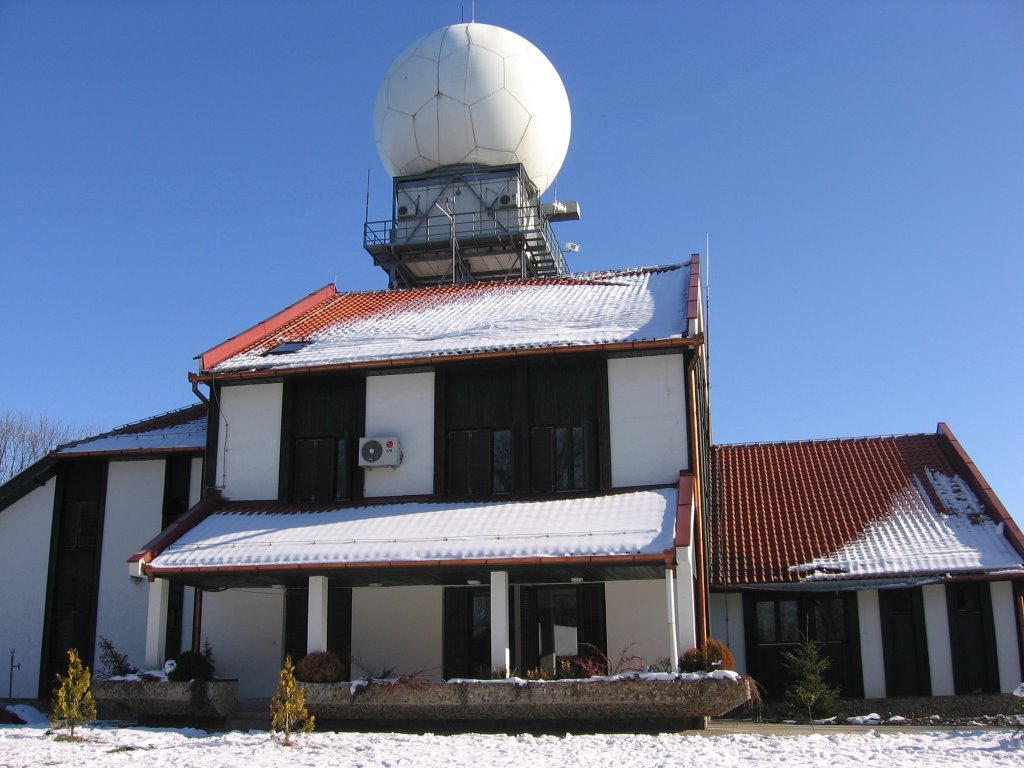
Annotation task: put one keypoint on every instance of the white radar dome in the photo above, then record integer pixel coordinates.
(472, 93)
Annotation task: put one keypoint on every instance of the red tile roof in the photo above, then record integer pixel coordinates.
(780, 506)
(328, 312)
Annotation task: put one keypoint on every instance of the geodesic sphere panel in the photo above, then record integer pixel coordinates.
(472, 93)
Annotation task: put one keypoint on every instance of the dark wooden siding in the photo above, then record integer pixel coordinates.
(321, 421)
(73, 587)
(531, 399)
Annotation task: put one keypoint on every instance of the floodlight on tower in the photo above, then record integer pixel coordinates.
(475, 114)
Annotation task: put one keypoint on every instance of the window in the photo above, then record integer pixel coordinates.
(523, 428)
(322, 469)
(563, 458)
(479, 462)
(778, 622)
(321, 422)
(467, 632)
(559, 624)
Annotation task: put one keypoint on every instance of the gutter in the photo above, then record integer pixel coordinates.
(207, 376)
(491, 563)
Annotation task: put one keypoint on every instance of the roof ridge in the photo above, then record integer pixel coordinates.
(817, 440)
(573, 277)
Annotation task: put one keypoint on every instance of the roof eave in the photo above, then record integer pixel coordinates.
(682, 342)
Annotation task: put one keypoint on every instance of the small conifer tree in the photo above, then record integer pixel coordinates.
(288, 712)
(809, 694)
(73, 704)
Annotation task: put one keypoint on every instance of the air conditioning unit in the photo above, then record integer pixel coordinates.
(507, 200)
(407, 211)
(379, 452)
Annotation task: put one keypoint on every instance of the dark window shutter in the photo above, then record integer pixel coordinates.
(343, 467)
(339, 625)
(590, 610)
(542, 459)
(296, 611)
(457, 620)
(529, 647)
(458, 463)
(480, 462)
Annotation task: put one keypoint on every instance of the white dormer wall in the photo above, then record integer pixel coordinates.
(402, 406)
(647, 416)
(249, 440)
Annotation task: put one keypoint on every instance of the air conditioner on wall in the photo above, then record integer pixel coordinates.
(379, 452)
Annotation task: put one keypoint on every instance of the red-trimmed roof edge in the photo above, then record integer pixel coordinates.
(693, 294)
(179, 528)
(236, 344)
(981, 487)
(684, 510)
(501, 562)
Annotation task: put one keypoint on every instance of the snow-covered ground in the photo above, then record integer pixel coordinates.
(30, 747)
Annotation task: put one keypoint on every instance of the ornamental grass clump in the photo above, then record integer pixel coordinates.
(320, 667)
(709, 657)
(288, 713)
(73, 704)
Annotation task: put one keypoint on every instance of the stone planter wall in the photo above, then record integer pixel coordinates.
(682, 703)
(164, 702)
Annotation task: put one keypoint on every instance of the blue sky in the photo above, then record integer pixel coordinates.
(173, 172)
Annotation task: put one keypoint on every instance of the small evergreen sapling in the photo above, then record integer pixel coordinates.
(288, 712)
(809, 694)
(73, 704)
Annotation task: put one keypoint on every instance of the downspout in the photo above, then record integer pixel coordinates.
(197, 619)
(701, 597)
(195, 389)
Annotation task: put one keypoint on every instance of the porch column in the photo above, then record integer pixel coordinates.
(673, 640)
(936, 628)
(316, 616)
(1004, 617)
(500, 656)
(872, 656)
(686, 615)
(156, 624)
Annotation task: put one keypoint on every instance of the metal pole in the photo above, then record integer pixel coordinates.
(197, 619)
(10, 678)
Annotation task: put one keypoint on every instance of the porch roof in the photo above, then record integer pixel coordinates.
(636, 527)
(857, 509)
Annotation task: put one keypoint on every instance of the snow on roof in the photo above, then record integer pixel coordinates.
(596, 308)
(879, 507)
(181, 430)
(918, 537)
(635, 523)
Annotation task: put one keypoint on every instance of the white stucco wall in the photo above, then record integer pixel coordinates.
(249, 441)
(134, 505)
(398, 628)
(872, 656)
(195, 481)
(246, 631)
(936, 625)
(636, 616)
(647, 414)
(726, 614)
(402, 405)
(1004, 616)
(24, 557)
